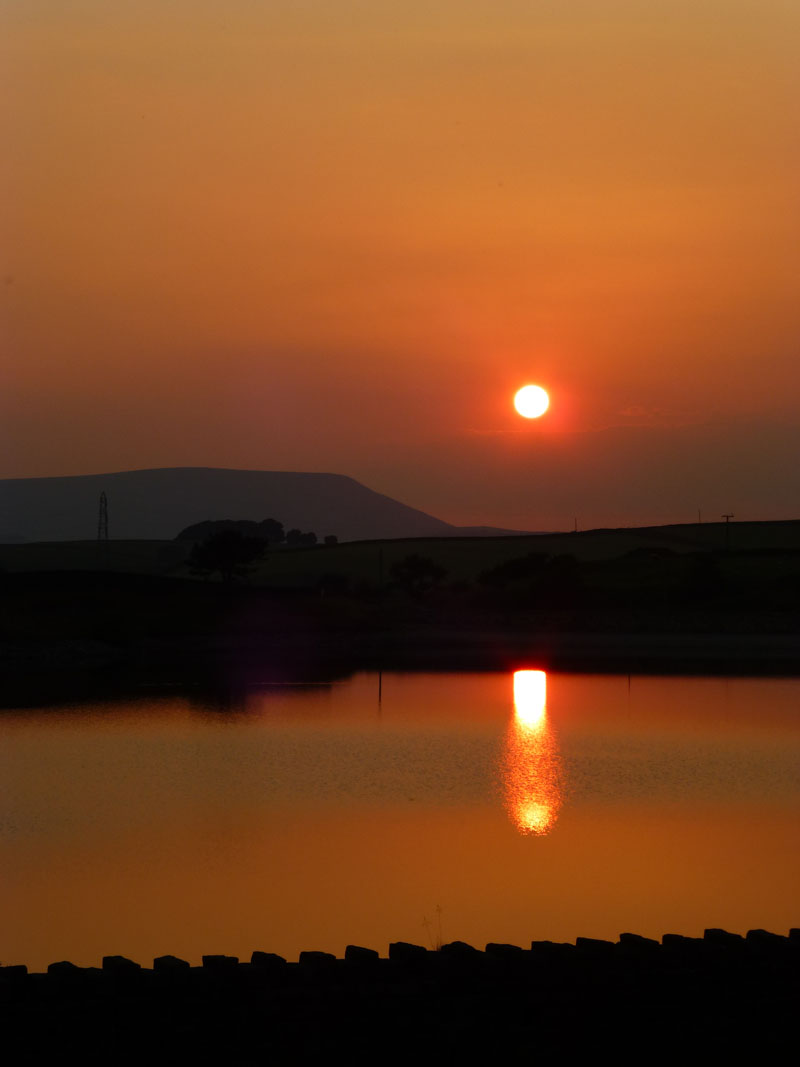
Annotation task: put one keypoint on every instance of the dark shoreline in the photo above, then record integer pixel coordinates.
(634, 998)
(64, 670)
(68, 633)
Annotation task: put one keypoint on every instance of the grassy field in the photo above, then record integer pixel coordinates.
(369, 563)
(656, 598)
(127, 557)
(466, 558)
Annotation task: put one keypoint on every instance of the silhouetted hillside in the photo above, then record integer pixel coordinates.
(157, 504)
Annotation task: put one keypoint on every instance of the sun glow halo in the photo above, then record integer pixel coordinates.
(531, 401)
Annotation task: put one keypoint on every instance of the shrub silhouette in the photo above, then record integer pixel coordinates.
(417, 574)
(296, 539)
(513, 571)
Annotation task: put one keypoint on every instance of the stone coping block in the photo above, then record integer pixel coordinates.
(681, 942)
(722, 937)
(63, 967)
(267, 960)
(715, 944)
(552, 950)
(317, 959)
(404, 952)
(765, 938)
(120, 964)
(636, 941)
(501, 951)
(594, 946)
(357, 954)
(170, 964)
(459, 950)
(220, 963)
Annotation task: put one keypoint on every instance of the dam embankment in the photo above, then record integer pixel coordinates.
(638, 999)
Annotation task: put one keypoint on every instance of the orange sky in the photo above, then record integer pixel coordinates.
(319, 235)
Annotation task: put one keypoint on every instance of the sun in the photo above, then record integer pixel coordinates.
(531, 401)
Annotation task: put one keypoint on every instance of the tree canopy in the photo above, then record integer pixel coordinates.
(227, 551)
(417, 574)
(268, 530)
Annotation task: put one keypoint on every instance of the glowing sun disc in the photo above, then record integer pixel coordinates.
(531, 401)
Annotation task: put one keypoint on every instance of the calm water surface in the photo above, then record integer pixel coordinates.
(483, 807)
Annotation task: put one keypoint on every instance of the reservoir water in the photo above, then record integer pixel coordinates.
(417, 807)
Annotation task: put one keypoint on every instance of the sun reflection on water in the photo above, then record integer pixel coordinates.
(530, 697)
(532, 765)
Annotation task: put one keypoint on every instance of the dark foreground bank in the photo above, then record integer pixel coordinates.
(639, 1000)
(660, 599)
(64, 636)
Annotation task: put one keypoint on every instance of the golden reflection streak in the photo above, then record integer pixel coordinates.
(532, 765)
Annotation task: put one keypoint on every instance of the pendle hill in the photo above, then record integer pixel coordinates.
(157, 504)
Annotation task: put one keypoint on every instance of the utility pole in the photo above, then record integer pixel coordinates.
(727, 519)
(102, 531)
(102, 518)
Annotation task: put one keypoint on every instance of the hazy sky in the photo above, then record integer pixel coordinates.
(336, 235)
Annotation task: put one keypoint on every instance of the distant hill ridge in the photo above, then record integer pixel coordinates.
(157, 504)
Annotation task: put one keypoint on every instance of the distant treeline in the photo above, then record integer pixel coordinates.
(270, 531)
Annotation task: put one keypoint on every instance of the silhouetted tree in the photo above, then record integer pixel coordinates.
(269, 530)
(201, 531)
(272, 531)
(331, 539)
(228, 552)
(297, 539)
(417, 574)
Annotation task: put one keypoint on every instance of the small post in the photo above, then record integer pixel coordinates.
(102, 518)
(102, 531)
(727, 519)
